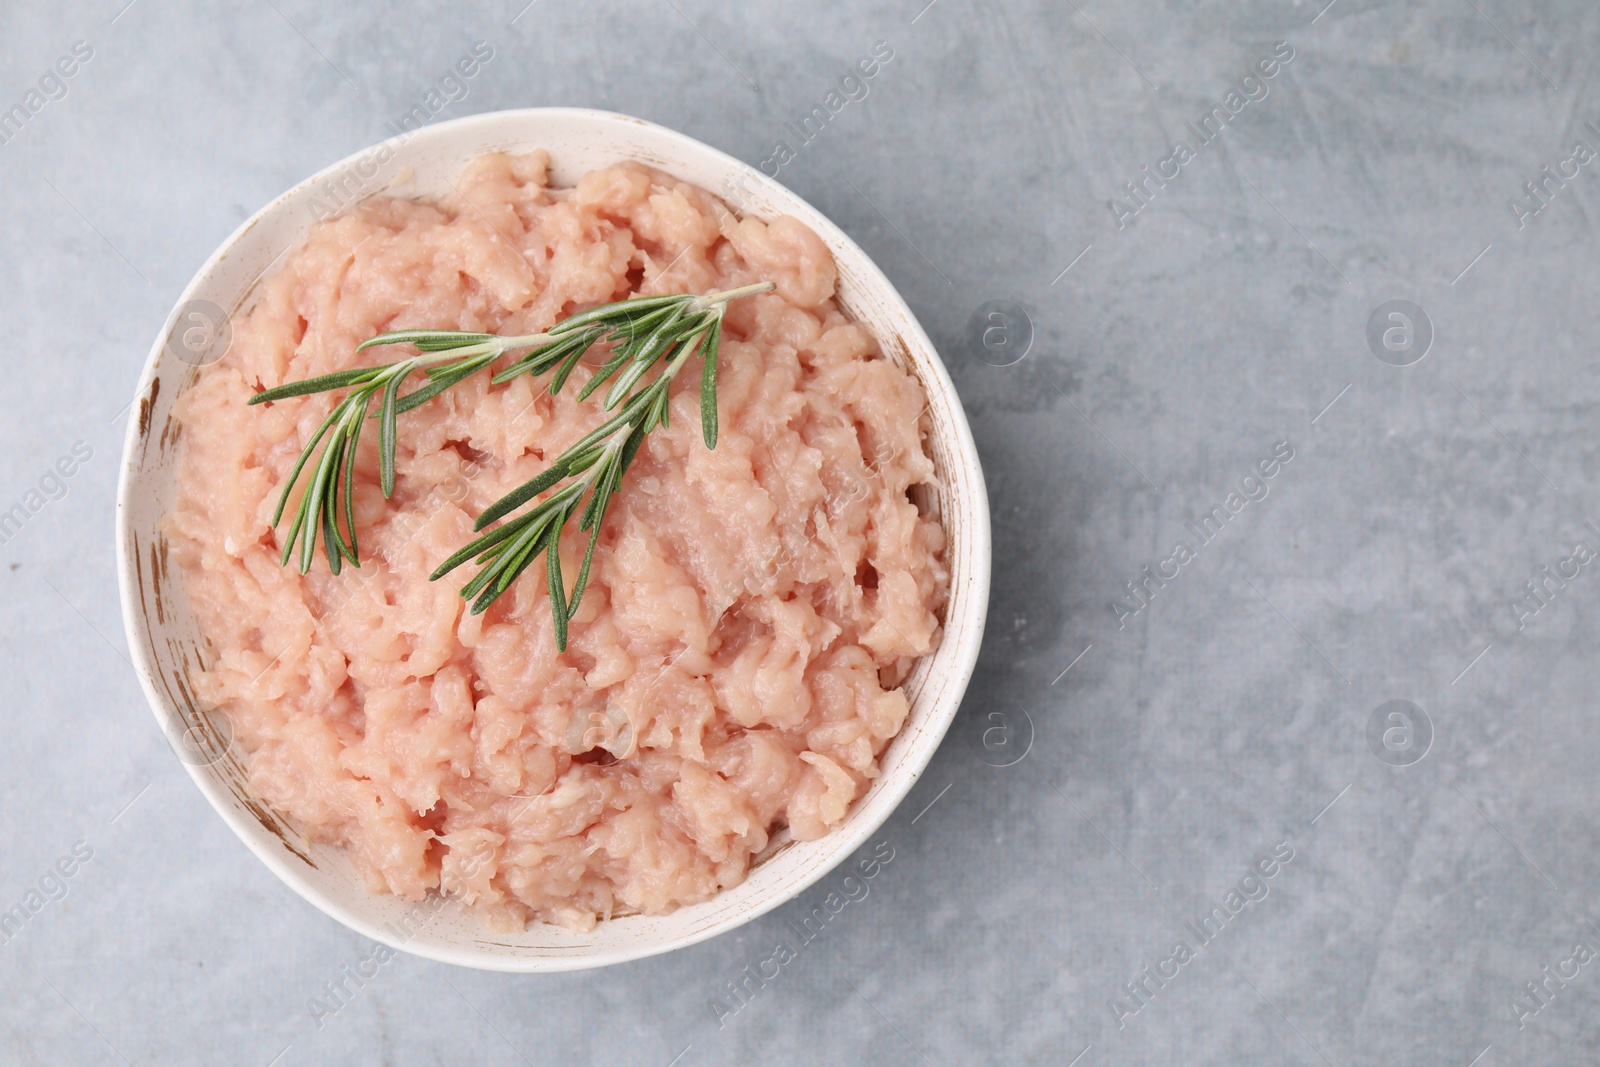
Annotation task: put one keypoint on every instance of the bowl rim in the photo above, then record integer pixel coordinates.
(844, 840)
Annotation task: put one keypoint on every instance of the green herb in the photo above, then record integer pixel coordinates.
(644, 332)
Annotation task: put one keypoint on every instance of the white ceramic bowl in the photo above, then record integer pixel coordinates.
(167, 645)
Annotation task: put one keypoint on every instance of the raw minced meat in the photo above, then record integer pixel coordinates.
(735, 664)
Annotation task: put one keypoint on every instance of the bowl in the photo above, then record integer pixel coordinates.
(167, 645)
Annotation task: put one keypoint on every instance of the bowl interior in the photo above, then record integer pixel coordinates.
(167, 645)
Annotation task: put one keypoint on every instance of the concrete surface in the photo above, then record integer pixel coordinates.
(1078, 823)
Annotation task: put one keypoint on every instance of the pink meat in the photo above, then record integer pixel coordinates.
(735, 665)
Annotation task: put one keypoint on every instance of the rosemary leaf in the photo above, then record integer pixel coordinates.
(558, 591)
(311, 509)
(479, 545)
(520, 496)
(336, 380)
(350, 493)
(305, 457)
(631, 449)
(620, 309)
(511, 562)
(445, 379)
(387, 432)
(625, 381)
(427, 340)
(331, 543)
(708, 384)
(542, 358)
(565, 372)
(332, 540)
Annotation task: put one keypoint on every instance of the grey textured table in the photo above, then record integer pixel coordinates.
(1213, 761)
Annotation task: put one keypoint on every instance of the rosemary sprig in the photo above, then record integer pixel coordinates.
(643, 332)
(663, 331)
(447, 359)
